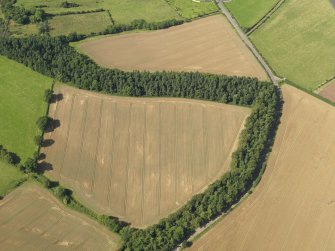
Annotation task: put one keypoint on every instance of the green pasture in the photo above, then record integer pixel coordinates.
(10, 177)
(80, 23)
(190, 9)
(298, 41)
(122, 11)
(21, 103)
(249, 12)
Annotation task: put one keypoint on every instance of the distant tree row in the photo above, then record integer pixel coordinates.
(55, 58)
(21, 15)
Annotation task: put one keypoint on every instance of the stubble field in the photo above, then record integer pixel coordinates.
(32, 219)
(293, 206)
(139, 159)
(206, 45)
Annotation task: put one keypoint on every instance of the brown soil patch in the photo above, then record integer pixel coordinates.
(206, 45)
(140, 158)
(328, 91)
(293, 206)
(32, 219)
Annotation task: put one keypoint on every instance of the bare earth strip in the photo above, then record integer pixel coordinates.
(32, 219)
(293, 207)
(139, 158)
(206, 45)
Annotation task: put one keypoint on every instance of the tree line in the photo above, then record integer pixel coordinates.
(55, 58)
(21, 15)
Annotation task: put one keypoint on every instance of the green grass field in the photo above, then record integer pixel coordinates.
(21, 103)
(122, 11)
(299, 41)
(10, 177)
(249, 12)
(189, 9)
(80, 23)
(18, 30)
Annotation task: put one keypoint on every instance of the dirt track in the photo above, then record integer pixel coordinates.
(206, 45)
(32, 219)
(140, 159)
(293, 207)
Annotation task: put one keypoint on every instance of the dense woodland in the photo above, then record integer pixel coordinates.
(55, 58)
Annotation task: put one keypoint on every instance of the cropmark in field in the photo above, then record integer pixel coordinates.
(32, 219)
(139, 158)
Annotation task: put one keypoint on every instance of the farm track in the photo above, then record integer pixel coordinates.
(149, 149)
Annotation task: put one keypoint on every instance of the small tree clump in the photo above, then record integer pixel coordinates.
(30, 166)
(43, 123)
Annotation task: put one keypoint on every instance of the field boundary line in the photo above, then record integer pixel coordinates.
(266, 17)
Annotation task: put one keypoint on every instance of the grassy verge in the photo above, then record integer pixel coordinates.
(21, 104)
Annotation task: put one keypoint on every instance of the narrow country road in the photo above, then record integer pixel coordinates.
(246, 40)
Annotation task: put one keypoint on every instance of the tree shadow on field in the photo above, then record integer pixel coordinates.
(44, 166)
(42, 156)
(53, 124)
(56, 97)
(47, 142)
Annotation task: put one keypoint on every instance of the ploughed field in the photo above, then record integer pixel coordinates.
(293, 206)
(32, 219)
(139, 158)
(206, 45)
(328, 91)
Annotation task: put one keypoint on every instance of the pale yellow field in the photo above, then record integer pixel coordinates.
(140, 158)
(293, 206)
(206, 45)
(32, 219)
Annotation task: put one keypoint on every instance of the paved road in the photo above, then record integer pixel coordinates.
(246, 40)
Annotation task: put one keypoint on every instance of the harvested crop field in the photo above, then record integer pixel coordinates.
(139, 158)
(32, 219)
(293, 206)
(328, 91)
(206, 45)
